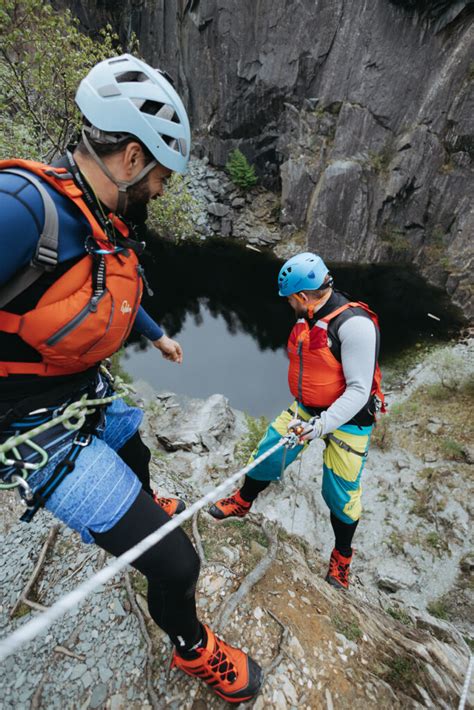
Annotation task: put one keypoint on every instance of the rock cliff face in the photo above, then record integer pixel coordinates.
(261, 584)
(363, 113)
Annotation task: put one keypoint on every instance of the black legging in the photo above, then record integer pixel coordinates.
(171, 567)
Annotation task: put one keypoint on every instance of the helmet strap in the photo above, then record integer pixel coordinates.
(122, 185)
(311, 307)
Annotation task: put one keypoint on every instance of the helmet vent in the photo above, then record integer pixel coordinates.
(131, 76)
(109, 90)
(151, 107)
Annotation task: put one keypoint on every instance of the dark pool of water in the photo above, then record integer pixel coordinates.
(220, 301)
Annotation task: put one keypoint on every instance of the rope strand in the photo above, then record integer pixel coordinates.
(43, 621)
(467, 682)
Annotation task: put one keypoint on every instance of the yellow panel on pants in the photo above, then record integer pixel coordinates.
(341, 469)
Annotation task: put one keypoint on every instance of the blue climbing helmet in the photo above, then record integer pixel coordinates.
(124, 96)
(303, 272)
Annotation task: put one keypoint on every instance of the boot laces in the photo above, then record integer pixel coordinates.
(235, 504)
(221, 665)
(230, 501)
(162, 501)
(339, 569)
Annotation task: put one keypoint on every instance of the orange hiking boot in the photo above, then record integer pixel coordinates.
(171, 506)
(338, 573)
(234, 506)
(230, 673)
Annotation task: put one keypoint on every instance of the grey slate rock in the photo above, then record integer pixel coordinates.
(218, 209)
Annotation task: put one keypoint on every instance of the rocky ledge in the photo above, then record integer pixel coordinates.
(262, 581)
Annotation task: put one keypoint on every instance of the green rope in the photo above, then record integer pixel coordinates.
(73, 418)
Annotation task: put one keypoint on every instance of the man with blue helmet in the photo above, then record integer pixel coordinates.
(336, 382)
(70, 291)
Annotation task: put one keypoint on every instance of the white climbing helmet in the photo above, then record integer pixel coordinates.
(124, 95)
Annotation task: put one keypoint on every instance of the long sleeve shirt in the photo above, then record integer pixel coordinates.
(358, 349)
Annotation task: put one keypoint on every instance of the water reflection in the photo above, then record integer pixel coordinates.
(232, 282)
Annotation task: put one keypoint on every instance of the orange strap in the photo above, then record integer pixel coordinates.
(31, 368)
(304, 335)
(339, 310)
(9, 322)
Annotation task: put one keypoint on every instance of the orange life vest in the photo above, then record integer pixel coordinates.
(315, 376)
(73, 326)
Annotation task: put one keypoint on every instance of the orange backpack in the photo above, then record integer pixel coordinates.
(87, 314)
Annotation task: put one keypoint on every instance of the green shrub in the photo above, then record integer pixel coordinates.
(382, 436)
(256, 428)
(403, 672)
(451, 370)
(438, 609)
(347, 627)
(395, 238)
(380, 161)
(174, 214)
(43, 57)
(241, 172)
(433, 540)
(399, 614)
(452, 449)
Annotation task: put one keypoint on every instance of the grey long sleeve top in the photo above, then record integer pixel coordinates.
(358, 347)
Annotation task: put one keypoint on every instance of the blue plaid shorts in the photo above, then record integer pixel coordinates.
(101, 488)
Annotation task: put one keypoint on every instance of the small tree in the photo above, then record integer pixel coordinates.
(241, 172)
(174, 214)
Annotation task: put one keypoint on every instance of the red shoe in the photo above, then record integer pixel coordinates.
(338, 574)
(234, 506)
(171, 506)
(230, 673)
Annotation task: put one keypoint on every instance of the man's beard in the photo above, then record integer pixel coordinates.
(136, 211)
(300, 312)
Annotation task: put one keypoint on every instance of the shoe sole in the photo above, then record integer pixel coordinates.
(226, 517)
(256, 678)
(335, 584)
(180, 507)
(260, 678)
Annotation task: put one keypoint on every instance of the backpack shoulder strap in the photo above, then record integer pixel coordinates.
(45, 257)
(343, 314)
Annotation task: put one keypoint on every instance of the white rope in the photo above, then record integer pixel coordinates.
(43, 621)
(465, 689)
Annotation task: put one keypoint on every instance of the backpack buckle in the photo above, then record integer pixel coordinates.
(45, 258)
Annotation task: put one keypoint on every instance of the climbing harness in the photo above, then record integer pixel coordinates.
(342, 444)
(298, 429)
(76, 416)
(71, 600)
